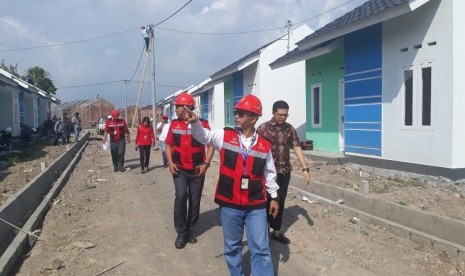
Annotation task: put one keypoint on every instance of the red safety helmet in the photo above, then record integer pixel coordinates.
(184, 99)
(250, 103)
(115, 113)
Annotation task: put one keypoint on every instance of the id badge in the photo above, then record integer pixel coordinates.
(114, 133)
(145, 137)
(245, 182)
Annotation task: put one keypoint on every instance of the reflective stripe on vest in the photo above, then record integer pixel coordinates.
(187, 152)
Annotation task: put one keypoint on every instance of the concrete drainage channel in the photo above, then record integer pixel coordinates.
(28, 207)
(436, 232)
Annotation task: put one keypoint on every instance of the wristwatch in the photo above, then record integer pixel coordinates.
(207, 164)
(306, 170)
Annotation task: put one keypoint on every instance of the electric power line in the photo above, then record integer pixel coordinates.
(66, 43)
(318, 15)
(114, 81)
(159, 23)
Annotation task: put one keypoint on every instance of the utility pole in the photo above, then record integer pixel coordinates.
(288, 34)
(125, 101)
(154, 91)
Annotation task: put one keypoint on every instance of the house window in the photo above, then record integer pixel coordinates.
(316, 105)
(418, 96)
(408, 98)
(426, 96)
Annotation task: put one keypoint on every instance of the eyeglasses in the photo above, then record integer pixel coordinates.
(282, 115)
(188, 106)
(241, 114)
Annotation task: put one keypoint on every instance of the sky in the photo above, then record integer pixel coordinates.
(90, 47)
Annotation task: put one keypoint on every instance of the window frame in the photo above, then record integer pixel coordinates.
(417, 96)
(320, 106)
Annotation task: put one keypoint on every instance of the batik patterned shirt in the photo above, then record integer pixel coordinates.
(283, 138)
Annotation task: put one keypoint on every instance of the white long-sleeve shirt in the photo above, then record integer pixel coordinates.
(215, 138)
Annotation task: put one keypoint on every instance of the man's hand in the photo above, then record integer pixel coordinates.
(137, 148)
(173, 168)
(307, 177)
(191, 114)
(274, 208)
(202, 169)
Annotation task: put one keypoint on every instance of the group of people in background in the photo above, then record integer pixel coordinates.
(254, 174)
(61, 128)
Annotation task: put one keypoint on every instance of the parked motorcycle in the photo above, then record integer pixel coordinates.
(5, 139)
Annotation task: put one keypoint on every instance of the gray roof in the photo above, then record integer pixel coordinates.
(297, 52)
(366, 10)
(235, 64)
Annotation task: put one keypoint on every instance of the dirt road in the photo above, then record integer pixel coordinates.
(126, 220)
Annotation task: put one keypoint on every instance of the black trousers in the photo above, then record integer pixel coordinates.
(144, 153)
(188, 188)
(283, 183)
(117, 149)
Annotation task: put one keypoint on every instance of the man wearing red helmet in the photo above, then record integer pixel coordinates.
(247, 173)
(188, 164)
(118, 130)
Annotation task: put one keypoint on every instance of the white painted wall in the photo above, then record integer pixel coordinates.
(217, 105)
(458, 81)
(433, 145)
(251, 82)
(286, 83)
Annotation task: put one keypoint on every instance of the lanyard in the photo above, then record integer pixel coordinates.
(244, 151)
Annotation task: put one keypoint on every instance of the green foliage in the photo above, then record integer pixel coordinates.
(364, 232)
(420, 247)
(41, 79)
(12, 69)
(12, 159)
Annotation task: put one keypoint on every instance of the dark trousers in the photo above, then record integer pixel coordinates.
(188, 187)
(283, 183)
(63, 136)
(144, 153)
(117, 149)
(147, 43)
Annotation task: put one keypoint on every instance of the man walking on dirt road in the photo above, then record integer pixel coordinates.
(283, 137)
(119, 135)
(247, 173)
(188, 164)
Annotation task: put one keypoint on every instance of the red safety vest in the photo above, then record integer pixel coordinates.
(187, 152)
(228, 189)
(116, 128)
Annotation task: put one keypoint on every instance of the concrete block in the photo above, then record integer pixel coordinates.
(399, 231)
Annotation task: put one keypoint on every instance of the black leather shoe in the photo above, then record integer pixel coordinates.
(115, 169)
(280, 238)
(180, 241)
(192, 239)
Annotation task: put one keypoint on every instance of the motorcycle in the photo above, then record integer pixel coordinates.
(5, 139)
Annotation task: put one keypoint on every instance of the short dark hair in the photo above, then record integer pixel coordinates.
(280, 105)
(146, 119)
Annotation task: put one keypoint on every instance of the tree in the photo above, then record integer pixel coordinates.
(12, 69)
(40, 78)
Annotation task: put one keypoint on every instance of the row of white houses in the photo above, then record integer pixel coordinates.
(22, 103)
(381, 85)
